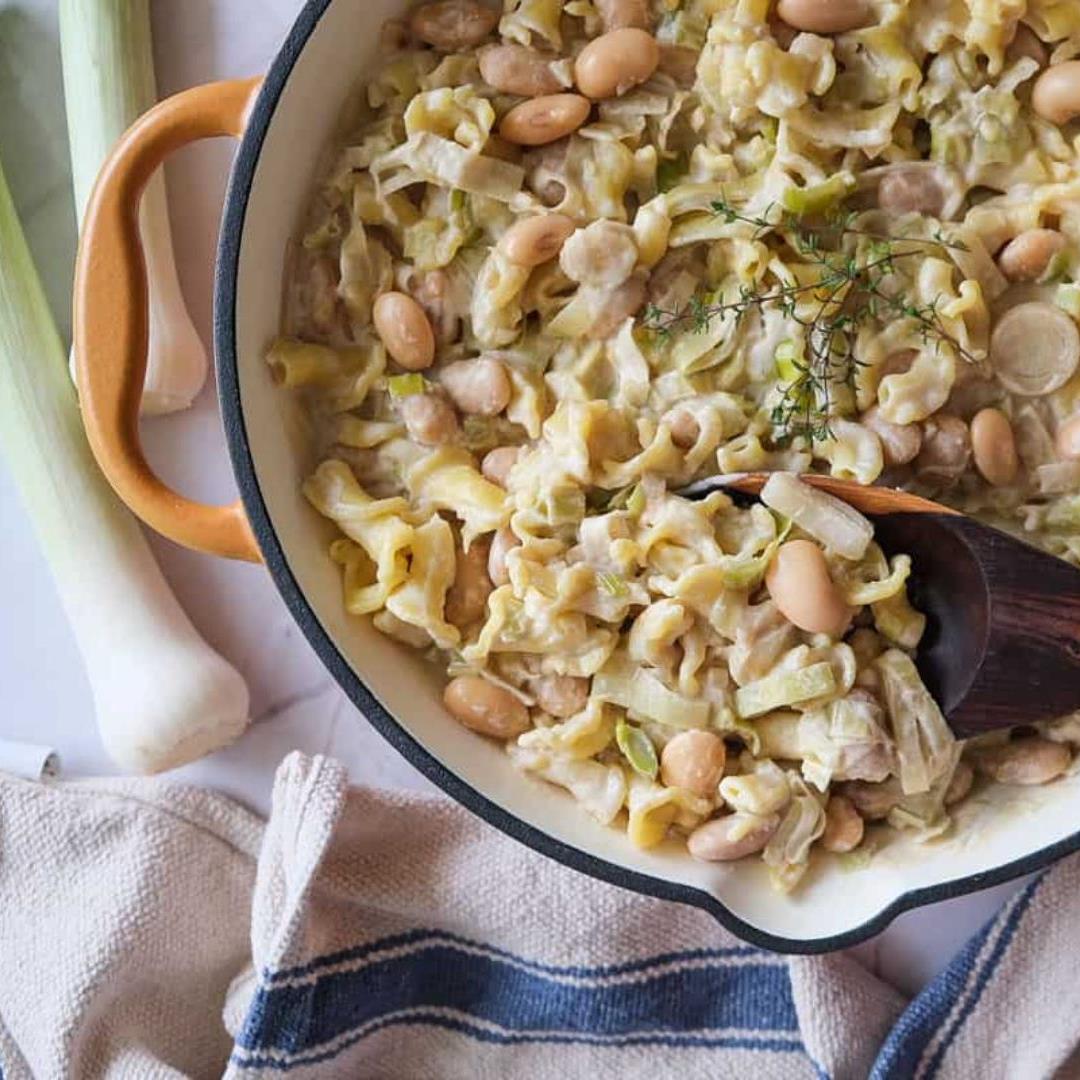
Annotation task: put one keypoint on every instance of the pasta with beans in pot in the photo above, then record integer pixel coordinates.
(572, 255)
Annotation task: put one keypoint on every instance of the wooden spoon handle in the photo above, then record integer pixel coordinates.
(1030, 666)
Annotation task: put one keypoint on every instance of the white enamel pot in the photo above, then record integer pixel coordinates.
(285, 124)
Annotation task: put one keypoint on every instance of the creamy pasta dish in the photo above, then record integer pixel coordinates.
(571, 255)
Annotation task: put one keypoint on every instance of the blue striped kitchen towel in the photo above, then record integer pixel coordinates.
(375, 935)
(397, 936)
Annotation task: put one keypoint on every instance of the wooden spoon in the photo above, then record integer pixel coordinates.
(1002, 644)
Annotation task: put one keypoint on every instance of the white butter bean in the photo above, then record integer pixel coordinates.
(432, 291)
(1056, 93)
(843, 827)
(727, 838)
(544, 120)
(519, 70)
(694, 760)
(993, 446)
(911, 189)
(429, 419)
(616, 62)
(497, 464)
(561, 695)
(453, 25)
(685, 430)
(1028, 761)
(478, 387)
(1026, 257)
(872, 800)
(799, 583)
(405, 330)
(823, 16)
(485, 708)
(900, 443)
(603, 255)
(946, 448)
(466, 599)
(536, 240)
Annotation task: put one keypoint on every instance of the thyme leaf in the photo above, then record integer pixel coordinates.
(849, 290)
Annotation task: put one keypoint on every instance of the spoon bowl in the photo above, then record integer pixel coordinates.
(1002, 644)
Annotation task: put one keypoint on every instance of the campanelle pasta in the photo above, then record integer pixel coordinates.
(570, 257)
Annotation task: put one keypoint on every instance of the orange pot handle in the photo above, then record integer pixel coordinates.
(112, 316)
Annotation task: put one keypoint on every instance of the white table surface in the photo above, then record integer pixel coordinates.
(44, 696)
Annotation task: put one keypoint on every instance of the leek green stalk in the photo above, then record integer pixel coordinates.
(161, 695)
(109, 83)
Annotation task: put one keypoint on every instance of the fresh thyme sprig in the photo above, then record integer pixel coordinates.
(838, 223)
(848, 291)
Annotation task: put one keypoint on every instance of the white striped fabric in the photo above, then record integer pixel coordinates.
(388, 935)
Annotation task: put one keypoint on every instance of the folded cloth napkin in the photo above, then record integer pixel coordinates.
(373, 934)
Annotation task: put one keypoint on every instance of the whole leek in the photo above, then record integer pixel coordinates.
(108, 83)
(162, 696)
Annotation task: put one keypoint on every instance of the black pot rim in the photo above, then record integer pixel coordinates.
(225, 290)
